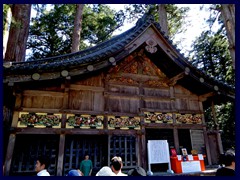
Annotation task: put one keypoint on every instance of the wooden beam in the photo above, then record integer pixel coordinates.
(82, 87)
(205, 96)
(42, 93)
(174, 79)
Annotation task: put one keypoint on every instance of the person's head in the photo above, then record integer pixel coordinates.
(229, 159)
(137, 171)
(42, 163)
(116, 164)
(105, 171)
(86, 156)
(74, 172)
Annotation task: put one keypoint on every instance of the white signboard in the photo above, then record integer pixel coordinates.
(191, 166)
(158, 151)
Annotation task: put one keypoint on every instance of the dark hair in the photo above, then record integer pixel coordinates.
(44, 160)
(116, 162)
(227, 158)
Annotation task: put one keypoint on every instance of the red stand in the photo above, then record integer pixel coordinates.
(176, 164)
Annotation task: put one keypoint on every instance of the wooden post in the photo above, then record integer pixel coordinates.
(60, 155)
(207, 147)
(144, 151)
(176, 139)
(8, 160)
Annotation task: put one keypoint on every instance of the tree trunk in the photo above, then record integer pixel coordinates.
(162, 14)
(16, 46)
(6, 30)
(77, 28)
(228, 14)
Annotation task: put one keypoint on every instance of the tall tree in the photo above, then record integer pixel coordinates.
(170, 15)
(228, 14)
(16, 46)
(162, 16)
(76, 37)
(6, 24)
(45, 40)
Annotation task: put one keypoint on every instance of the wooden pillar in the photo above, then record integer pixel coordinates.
(172, 98)
(144, 150)
(138, 150)
(176, 139)
(60, 155)
(109, 141)
(207, 146)
(15, 119)
(10, 149)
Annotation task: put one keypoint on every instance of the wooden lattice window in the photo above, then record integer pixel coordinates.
(125, 147)
(76, 146)
(28, 148)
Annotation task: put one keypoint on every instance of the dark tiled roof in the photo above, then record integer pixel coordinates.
(87, 56)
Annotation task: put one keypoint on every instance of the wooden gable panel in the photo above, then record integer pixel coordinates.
(135, 69)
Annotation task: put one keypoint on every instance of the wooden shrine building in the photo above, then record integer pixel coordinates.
(108, 100)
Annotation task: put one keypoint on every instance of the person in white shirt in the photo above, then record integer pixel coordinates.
(105, 171)
(116, 166)
(41, 167)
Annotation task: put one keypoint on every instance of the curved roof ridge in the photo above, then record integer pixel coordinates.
(84, 53)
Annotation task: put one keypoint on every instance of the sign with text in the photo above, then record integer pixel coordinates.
(158, 151)
(191, 166)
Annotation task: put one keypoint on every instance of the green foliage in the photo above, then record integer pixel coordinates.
(175, 15)
(103, 22)
(51, 31)
(5, 10)
(210, 54)
(225, 122)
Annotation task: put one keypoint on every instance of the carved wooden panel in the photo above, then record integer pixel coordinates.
(137, 68)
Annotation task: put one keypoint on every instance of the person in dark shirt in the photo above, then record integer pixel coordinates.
(228, 169)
